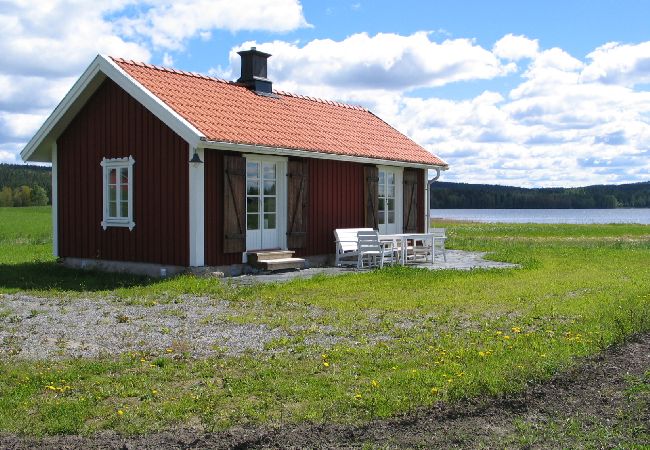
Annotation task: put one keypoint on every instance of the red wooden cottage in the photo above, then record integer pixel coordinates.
(156, 169)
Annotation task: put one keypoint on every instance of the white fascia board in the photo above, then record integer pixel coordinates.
(38, 148)
(263, 150)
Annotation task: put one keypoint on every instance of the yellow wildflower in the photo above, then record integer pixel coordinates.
(357, 396)
(499, 333)
(120, 412)
(326, 364)
(506, 337)
(374, 383)
(516, 330)
(434, 390)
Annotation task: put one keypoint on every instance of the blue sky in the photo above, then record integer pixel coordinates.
(524, 93)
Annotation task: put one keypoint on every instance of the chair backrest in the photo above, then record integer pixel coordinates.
(368, 240)
(438, 232)
(346, 238)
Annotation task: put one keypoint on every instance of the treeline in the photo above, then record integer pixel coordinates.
(460, 195)
(22, 185)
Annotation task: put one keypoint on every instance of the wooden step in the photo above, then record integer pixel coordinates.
(268, 255)
(281, 264)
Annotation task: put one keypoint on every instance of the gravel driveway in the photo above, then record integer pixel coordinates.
(41, 328)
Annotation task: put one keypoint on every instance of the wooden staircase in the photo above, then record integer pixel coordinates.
(275, 260)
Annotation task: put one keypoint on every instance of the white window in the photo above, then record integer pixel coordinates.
(389, 210)
(118, 192)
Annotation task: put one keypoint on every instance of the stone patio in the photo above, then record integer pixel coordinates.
(456, 260)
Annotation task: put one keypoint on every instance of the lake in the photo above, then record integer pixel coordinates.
(618, 215)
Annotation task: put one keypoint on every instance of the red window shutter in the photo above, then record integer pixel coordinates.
(411, 191)
(297, 196)
(371, 195)
(234, 204)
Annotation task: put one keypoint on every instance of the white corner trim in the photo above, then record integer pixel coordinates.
(110, 164)
(55, 202)
(197, 208)
(105, 65)
(278, 151)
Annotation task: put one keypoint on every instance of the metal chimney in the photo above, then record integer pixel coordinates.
(253, 71)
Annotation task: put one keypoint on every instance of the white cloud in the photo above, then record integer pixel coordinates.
(615, 63)
(385, 61)
(514, 48)
(170, 23)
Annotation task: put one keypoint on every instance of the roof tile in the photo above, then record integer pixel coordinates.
(228, 112)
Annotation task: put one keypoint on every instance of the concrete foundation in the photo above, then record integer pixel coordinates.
(148, 269)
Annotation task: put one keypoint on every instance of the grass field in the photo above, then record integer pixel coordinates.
(407, 338)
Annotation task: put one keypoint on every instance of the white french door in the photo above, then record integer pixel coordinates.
(389, 209)
(265, 203)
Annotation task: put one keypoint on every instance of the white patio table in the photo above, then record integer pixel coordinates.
(404, 238)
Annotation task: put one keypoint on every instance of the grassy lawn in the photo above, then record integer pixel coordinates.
(399, 338)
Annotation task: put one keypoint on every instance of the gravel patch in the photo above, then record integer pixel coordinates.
(36, 328)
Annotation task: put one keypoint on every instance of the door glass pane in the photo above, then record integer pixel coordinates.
(112, 209)
(269, 188)
(382, 190)
(391, 191)
(381, 206)
(269, 171)
(269, 221)
(391, 217)
(390, 204)
(252, 170)
(252, 221)
(382, 177)
(390, 178)
(269, 204)
(252, 204)
(380, 217)
(252, 188)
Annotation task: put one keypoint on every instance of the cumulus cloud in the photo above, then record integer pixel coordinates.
(514, 48)
(385, 61)
(623, 64)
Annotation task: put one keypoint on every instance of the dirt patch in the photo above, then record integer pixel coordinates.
(603, 403)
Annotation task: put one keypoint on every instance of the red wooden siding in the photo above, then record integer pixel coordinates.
(335, 201)
(114, 125)
(214, 255)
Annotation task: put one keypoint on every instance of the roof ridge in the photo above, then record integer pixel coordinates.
(221, 80)
(169, 69)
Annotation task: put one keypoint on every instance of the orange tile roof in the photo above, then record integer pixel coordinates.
(228, 112)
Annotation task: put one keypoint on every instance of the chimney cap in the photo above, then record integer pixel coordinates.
(253, 51)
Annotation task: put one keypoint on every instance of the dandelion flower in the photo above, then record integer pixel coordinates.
(506, 337)
(326, 364)
(374, 383)
(120, 412)
(516, 330)
(434, 390)
(357, 396)
(499, 332)
(324, 355)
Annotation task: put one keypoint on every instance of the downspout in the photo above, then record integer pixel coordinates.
(427, 204)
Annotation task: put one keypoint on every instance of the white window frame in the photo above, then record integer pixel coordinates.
(107, 166)
(399, 194)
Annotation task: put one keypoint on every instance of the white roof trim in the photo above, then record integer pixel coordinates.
(39, 146)
(263, 150)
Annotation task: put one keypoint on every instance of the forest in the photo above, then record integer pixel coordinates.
(446, 195)
(22, 185)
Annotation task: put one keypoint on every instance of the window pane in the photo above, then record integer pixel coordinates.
(382, 177)
(124, 206)
(391, 191)
(269, 187)
(381, 205)
(390, 204)
(252, 170)
(124, 175)
(112, 176)
(252, 221)
(124, 193)
(269, 204)
(111, 193)
(380, 217)
(382, 190)
(391, 216)
(112, 209)
(253, 188)
(269, 221)
(269, 171)
(390, 178)
(252, 204)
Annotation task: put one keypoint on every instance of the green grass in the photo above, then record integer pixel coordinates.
(404, 338)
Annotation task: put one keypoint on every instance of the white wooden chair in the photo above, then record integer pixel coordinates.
(347, 253)
(371, 251)
(439, 238)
